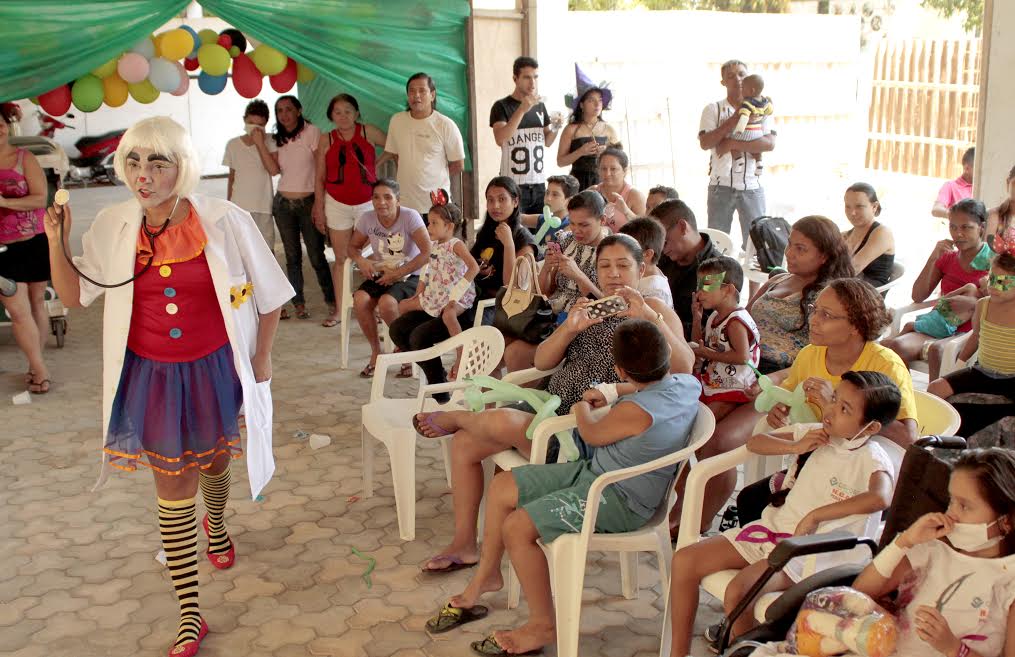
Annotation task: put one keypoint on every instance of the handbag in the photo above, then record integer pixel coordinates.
(524, 314)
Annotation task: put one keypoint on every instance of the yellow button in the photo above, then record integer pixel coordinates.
(172, 308)
(165, 271)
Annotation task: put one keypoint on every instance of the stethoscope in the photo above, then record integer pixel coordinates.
(151, 243)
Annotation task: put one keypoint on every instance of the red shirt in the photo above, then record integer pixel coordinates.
(350, 167)
(176, 316)
(954, 276)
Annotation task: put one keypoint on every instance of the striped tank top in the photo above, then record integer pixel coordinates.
(997, 345)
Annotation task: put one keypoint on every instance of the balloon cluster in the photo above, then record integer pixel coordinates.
(160, 63)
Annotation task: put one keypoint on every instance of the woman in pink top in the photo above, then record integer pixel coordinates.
(619, 194)
(293, 150)
(26, 258)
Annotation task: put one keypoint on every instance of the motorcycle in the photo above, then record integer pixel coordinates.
(95, 162)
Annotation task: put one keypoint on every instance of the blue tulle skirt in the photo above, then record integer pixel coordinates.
(177, 415)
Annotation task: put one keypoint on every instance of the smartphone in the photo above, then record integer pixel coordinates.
(606, 307)
(553, 247)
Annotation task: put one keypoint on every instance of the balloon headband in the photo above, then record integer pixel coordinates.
(439, 198)
(711, 282)
(1001, 282)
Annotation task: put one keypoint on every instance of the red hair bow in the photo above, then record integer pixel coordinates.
(440, 197)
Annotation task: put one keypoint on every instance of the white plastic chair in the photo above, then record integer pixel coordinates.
(567, 555)
(898, 271)
(690, 518)
(345, 308)
(480, 307)
(952, 347)
(935, 416)
(722, 241)
(390, 420)
(752, 270)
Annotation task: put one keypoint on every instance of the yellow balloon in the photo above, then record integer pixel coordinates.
(176, 44)
(143, 92)
(304, 74)
(114, 90)
(214, 59)
(157, 41)
(106, 69)
(268, 60)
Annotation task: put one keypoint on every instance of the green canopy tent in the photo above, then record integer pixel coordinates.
(363, 47)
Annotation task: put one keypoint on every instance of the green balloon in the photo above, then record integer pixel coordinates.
(87, 93)
(143, 92)
(106, 69)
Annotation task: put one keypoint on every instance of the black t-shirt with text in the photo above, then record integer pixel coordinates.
(522, 155)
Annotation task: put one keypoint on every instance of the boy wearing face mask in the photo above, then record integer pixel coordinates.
(249, 184)
(847, 483)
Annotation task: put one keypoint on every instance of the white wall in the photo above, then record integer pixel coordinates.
(211, 120)
(664, 68)
(995, 154)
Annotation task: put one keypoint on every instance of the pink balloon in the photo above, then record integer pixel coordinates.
(132, 67)
(284, 81)
(247, 79)
(184, 81)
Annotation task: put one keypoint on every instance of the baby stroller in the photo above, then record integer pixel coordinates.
(922, 488)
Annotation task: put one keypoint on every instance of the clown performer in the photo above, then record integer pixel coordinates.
(192, 305)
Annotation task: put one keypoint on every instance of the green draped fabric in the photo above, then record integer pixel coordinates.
(367, 48)
(46, 43)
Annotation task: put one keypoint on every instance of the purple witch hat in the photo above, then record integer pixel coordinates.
(583, 85)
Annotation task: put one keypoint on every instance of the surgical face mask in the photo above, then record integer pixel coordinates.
(972, 537)
(849, 444)
(250, 127)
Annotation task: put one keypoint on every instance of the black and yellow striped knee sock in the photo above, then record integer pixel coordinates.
(215, 489)
(178, 525)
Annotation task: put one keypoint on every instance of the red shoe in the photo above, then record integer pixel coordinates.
(223, 560)
(190, 648)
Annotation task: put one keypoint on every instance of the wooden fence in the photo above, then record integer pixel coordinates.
(923, 105)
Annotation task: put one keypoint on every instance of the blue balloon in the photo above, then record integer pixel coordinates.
(197, 41)
(211, 84)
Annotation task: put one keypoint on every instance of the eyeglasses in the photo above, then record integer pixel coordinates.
(822, 314)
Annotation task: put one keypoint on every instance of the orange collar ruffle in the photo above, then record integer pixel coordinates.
(182, 242)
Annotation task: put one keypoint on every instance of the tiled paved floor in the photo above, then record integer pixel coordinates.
(79, 578)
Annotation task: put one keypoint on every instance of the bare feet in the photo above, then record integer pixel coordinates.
(468, 598)
(451, 559)
(531, 636)
(436, 425)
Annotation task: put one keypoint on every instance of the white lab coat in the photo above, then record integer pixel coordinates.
(236, 254)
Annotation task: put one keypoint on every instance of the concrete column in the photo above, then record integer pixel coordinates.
(995, 140)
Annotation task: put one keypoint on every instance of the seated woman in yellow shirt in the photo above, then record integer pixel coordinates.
(847, 317)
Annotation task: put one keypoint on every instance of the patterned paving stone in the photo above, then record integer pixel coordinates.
(79, 577)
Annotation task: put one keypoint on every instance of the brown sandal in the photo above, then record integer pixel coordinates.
(39, 387)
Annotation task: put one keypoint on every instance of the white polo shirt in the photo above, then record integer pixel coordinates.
(723, 171)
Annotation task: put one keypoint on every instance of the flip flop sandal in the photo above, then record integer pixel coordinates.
(285, 314)
(301, 312)
(454, 563)
(436, 431)
(450, 617)
(43, 386)
(490, 646)
(405, 372)
(367, 372)
(328, 323)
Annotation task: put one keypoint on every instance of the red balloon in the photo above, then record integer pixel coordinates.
(247, 79)
(284, 81)
(191, 64)
(225, 41)
(57, 101)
